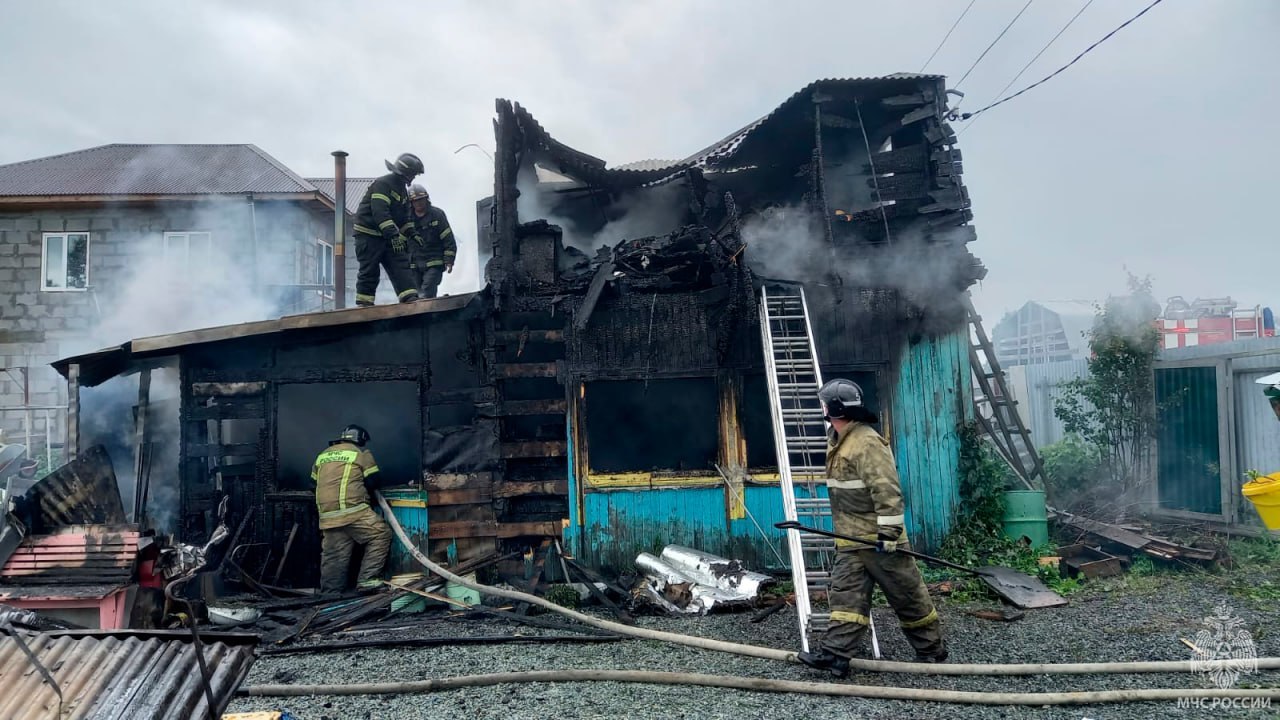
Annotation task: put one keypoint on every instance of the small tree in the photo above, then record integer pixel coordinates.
(1114, 408)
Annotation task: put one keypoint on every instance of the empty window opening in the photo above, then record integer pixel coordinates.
(639, 426)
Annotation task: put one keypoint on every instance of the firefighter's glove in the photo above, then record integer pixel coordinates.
(418, 239)
(886, 546)
(400, 243)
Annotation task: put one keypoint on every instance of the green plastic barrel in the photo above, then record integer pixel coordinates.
(1025, 516)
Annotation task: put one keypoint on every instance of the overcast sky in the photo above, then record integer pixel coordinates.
(1154, 153)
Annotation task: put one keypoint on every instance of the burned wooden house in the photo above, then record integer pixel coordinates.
(608, 385)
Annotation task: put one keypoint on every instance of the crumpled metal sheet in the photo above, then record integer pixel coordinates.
(134, 675)
(82, 492)
(689, 581)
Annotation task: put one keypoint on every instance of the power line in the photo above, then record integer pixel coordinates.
(993, 42)
(1055, 73)
(1037, 57)
(947, 37)
(1043, 49)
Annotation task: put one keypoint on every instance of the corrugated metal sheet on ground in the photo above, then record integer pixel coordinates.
(1189, 458)
(933, 397)
(138, 675)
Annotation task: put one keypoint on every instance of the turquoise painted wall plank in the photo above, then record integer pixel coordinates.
(931, 400)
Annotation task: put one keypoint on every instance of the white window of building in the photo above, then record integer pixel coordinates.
(188, 250)
(64, 263)
(324, 275)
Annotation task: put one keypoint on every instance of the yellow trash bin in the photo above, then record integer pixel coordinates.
(1264, 493)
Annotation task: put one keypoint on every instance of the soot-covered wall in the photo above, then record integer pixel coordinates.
(311, 414)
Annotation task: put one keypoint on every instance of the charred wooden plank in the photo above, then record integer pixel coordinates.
(527, 370)
(556, 406)
(904, 100)
(603, 275)
(515, 489)
(459, 497)
(228, 389)
(516, 336)
(490, 528)
(220, 450)
(230, 409)
(534, 449)
(912, 158)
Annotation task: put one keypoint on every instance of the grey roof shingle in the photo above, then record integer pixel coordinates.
(356, 188)
(152, 170)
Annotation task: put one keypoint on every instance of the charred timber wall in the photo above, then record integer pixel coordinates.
(255, 411)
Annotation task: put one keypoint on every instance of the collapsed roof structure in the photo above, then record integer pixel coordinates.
(608, 386)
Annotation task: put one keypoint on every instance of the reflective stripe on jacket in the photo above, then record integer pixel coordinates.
(866, 498)
(339, 474)
(384, 208)
(438, 246)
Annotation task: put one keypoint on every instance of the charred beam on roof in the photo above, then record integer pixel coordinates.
(603, 275)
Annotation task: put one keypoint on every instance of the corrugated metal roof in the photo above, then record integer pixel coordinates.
(99, 366)
(137, 675)
(356, 188)
(152, 170)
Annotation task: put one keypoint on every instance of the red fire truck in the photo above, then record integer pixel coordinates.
(1211, 320)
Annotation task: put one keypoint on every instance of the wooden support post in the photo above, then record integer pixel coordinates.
(140, 443)
(73, 412)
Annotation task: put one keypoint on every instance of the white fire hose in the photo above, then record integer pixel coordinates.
(765, 685)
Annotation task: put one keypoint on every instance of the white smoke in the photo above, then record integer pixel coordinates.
(161, 291)
(636, 214)
(790, 243)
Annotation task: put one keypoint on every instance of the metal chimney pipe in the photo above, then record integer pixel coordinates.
(339, 229)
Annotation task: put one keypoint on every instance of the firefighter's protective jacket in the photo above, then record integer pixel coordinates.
(866, 499)
(438, 246)
(384, 209)
(340, 473)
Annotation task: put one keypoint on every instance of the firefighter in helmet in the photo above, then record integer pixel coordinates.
(342, 475)
(434, 253)
(381, 223)
(866, 503)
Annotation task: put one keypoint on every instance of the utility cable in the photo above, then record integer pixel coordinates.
(993, 43)
(1037, 57)
(1055, 73)
(947, 36)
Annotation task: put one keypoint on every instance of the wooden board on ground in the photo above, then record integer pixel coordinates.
(1020, 590)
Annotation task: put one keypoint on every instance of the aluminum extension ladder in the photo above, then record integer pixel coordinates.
(800, 439)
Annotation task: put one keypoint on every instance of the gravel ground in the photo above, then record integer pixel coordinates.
(1138, 619)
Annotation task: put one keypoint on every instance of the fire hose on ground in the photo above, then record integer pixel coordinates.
(766, 685)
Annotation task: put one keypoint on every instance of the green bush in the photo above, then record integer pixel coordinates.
(1073, 469)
